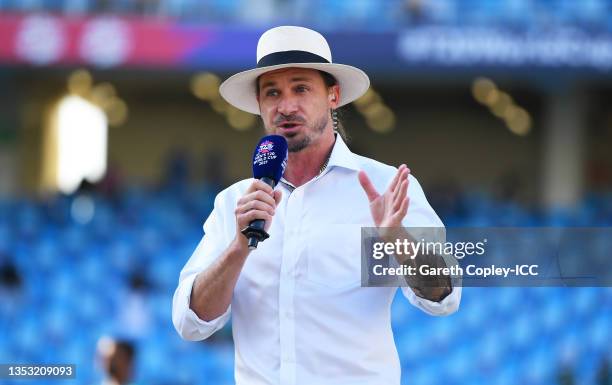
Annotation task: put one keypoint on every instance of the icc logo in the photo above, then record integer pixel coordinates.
(266, 146)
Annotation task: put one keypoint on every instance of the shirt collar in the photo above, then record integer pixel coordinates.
(341, 156)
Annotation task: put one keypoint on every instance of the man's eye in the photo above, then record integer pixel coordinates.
(272, 93)
(301, 88)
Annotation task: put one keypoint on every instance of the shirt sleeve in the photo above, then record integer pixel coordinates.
(421, 214)
(447, 306)
(212, 244)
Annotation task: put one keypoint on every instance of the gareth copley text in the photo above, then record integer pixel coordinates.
(457, 271)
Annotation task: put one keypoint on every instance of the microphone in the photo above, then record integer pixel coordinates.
(269, 162)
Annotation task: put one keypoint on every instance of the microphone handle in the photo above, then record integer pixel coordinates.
(255, 230)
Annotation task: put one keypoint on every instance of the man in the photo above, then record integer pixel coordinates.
(300, 315)
(117, 358)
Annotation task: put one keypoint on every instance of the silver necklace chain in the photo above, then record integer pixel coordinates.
(324, 166)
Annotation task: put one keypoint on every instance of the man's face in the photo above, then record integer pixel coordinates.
(295, 103)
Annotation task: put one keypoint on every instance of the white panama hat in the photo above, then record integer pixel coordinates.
(290, 46)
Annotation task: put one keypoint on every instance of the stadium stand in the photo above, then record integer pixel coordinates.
(361, 14)
(65, 284)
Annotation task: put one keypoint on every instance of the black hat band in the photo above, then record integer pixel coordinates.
(288, 57)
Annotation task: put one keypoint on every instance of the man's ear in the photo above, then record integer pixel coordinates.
(334, 96)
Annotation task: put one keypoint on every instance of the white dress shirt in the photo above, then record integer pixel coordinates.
(299, 313)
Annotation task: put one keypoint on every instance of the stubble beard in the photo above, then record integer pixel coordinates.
(300, 144)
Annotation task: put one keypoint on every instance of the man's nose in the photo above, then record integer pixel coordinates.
(287, 105)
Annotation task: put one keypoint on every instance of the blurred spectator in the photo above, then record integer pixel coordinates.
(413, 11)
(566, 376)
(603, 375)
(10, 288)
(139, 283)
(135, 314)
(599, 175)
(508, 186)
(177, 170)
(148, 7)
(101, 6)
(447, 199)
(111, 184)
(215, 170)
(117, 358)
(10, 294)
(9, 277)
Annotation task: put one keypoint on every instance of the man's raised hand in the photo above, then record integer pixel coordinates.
(390, 208)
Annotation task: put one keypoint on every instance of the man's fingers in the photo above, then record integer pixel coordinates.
(277, 196)
(252, 215)
(367, 186)
(401, 175)
(400, 194)
(255, 205)
(402, 210)
(257, 195)
(396, 178)
(259, 185)
(259, 202)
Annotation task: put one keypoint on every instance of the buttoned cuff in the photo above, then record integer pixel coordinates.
(186, 321)
(447, 306)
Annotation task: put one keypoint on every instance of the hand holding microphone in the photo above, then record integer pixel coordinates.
(255, 209)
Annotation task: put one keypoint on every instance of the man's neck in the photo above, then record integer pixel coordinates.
(304, 165)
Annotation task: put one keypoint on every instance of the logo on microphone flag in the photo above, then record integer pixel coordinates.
(264, 153)
(266, 146)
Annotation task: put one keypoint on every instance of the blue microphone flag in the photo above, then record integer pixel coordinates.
(270, 158)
